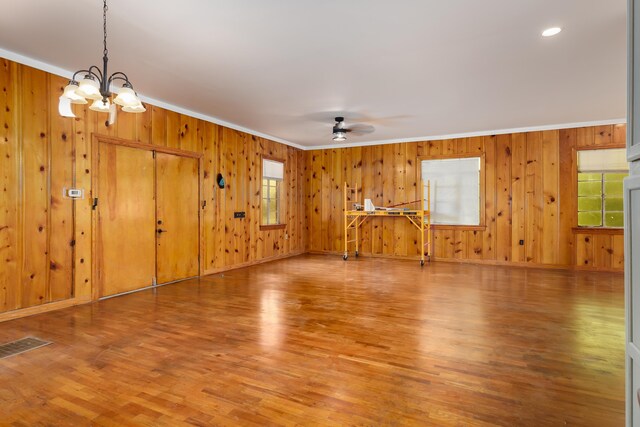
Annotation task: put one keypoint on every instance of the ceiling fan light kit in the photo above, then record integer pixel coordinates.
(339, 131)
(95, 84)
(339, 136)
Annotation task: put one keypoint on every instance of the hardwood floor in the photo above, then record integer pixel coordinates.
(313, 340)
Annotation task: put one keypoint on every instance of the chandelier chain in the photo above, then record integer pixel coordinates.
(104, 27)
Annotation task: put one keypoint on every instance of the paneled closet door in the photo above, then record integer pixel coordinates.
(126, 219)
(177, 218)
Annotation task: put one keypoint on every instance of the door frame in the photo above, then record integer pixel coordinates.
(96, 140)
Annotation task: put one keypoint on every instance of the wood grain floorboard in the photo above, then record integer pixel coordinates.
(314, 340)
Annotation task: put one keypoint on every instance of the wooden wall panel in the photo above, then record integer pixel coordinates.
(602, 250)
(367, 185)
(35, 205)
(45, 238)
(617, 257)
(568, 196)
(158, 125)
(490, 209)
(255, 197)
(143, 126)
(208, 145)
(61, 162)
(400, 234)
(125, 126)
(518, 211)
(388, 197)
(173, 129)
(533, 197)
(9, 186)
(550, 199)
(503, 198)
(530, 196)
(82, 268)
(585, 250)
(411, 241)
(375, 192)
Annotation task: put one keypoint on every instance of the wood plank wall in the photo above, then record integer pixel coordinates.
(530, 195)
(45, 239)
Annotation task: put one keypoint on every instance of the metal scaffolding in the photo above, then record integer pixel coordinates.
(356, 215)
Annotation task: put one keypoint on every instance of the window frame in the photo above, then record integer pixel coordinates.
(482, 199)
(280, 194)
(576, 171)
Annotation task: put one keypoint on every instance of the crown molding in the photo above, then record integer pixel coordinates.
(472, 134)
(22, 59)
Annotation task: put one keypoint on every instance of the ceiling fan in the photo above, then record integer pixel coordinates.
(340, 129)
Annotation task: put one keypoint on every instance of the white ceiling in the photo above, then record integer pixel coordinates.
(285, 68)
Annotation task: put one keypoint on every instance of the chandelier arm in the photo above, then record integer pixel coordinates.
(96, 72)
(118, 75)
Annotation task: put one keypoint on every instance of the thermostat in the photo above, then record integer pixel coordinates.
(74, 193)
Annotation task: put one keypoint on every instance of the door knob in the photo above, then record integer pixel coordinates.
(160, 231)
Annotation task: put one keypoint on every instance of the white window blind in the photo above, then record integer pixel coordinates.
(602, 160)
(272, 169)
(455, 190)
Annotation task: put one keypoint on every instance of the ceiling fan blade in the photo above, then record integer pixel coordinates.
(361, 129)
(329, 116)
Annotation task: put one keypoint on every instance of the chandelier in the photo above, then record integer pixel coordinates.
(95, 85)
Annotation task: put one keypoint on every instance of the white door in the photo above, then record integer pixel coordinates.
(632, 219)
(632, 297)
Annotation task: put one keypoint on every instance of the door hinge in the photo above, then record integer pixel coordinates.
(154, 153)
(94, 205)
(204, 203)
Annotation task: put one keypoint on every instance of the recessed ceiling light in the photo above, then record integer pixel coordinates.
(550, 32)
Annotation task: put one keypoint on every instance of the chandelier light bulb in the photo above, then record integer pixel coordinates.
(101, 105)
(126, 97)
(70, 92)
(137, 108)
(89, 88)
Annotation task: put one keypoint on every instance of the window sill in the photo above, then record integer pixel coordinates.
(273, 227)
(458, 227)
(597, 230)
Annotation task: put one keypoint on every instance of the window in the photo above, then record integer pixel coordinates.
(272, 176)
(455, 190)
(600, 176)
